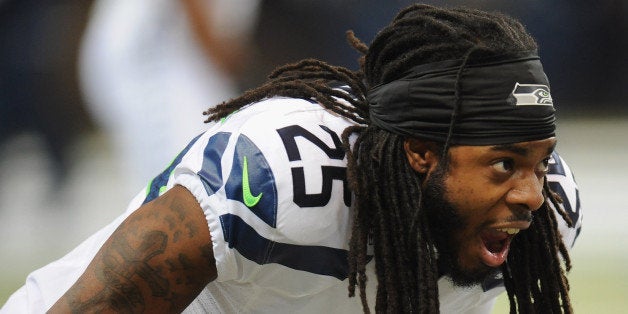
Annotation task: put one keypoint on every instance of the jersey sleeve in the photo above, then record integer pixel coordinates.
(562, 181)
(271, 181)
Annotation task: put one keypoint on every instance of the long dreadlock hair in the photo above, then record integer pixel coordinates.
(388, 192)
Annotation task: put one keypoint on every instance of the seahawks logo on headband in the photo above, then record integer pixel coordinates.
(532, 94)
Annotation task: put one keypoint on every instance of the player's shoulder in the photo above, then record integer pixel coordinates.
(280, 167)
(275, 111)
(562, 181)
(274, 179)
(558, 166)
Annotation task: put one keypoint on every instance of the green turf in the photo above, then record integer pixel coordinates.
(599, 284)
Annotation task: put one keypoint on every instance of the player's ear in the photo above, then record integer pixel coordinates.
(422, 155)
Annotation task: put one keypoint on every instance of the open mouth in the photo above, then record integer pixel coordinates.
(496, 243)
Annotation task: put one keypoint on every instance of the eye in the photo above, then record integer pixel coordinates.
(543, 166)
(504, 165)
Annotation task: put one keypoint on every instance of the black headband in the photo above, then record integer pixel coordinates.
(502, 100)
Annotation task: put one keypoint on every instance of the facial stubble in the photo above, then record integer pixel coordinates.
(446, 222)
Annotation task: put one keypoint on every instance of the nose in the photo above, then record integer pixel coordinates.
(527, 192)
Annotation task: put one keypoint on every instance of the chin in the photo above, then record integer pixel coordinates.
(470, 277)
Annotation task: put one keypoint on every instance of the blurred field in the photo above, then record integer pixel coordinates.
(598, 284)
(41, 220)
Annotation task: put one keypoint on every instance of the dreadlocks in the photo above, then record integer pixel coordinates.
(307, 79)
(387, 206)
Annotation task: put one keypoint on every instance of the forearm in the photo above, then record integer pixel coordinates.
(157, 261)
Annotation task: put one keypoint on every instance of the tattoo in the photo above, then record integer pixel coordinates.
(153, 214)
(185, 262)
(207, 252)
(120, 267)
(171, 223)
(128, 264)
(178, 208)
(192, 231)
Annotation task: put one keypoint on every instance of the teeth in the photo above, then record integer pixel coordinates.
(510, 231)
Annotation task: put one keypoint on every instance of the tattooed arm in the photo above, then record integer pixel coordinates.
(157, 261)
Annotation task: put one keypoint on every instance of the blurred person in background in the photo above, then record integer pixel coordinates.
(150, 67)
(438, 188)
(39, 93)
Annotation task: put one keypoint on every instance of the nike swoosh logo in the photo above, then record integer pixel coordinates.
(249, 199)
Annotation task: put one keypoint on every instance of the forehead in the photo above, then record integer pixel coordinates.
(523, 149)
(545, 146)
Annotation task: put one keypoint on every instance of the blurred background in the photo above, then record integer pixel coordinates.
(97, 96)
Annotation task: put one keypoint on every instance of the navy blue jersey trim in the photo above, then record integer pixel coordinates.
(211, 171)
(261, 180)
(556, 167)
(161, 180)
(319, 260)
(493, 281)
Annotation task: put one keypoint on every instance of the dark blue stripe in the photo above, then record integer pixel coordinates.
(557, 167)
(319, 260)
(161, 180)
(261, 180)
(211, 171)
(493, 281)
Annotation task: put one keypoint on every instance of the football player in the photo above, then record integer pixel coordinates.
(427, 181)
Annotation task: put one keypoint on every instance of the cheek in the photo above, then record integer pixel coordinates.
(464, 194)
(474, 199)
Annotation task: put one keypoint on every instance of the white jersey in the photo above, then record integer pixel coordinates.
(271, 182)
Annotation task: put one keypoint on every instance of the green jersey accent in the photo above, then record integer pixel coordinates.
(249, 199)
(227, 117)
